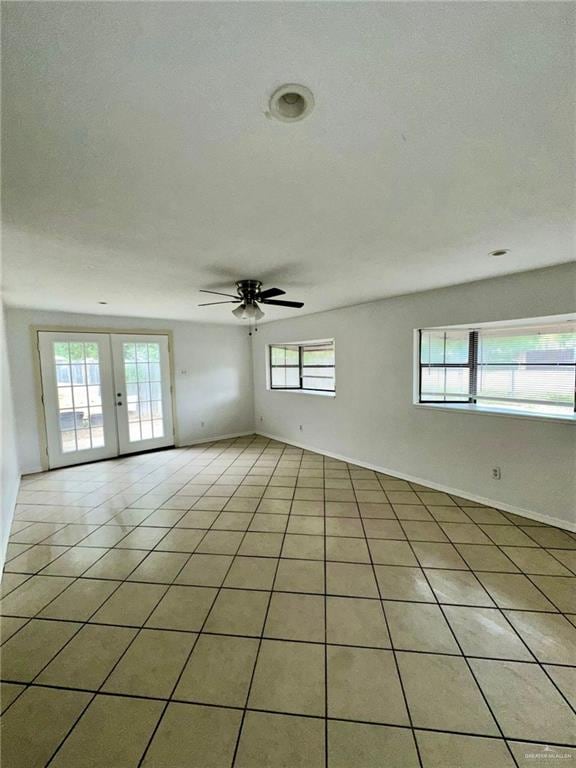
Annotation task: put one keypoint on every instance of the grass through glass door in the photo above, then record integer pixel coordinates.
(143, 390)
(79, 395)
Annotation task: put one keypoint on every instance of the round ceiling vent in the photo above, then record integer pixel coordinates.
(291, 103)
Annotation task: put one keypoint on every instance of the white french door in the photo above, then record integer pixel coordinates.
(104, 395)
(78, 395)
(143, 398)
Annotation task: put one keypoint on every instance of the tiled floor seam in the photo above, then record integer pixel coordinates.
(396, 664)
(470, 669)
(219, 589)
(249, 689)
(314, 467)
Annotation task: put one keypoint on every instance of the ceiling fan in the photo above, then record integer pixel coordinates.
(249, 296)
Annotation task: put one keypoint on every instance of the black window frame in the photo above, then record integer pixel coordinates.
(473, 365)
(297, 365)
(301, 366)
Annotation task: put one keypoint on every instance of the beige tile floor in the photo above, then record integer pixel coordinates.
(246, 603)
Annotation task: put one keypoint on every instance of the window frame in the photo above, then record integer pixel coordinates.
(481, 404)
(471, 364)
(297, 365)
(302, 345)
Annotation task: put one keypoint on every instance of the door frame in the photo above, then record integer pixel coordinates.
(37, 368)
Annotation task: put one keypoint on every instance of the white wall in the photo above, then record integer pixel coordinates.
(8, 452)
(372, 418)
(217, 388)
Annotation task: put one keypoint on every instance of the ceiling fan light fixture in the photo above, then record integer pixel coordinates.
(248, 312)
(240, 312)
(257, 312)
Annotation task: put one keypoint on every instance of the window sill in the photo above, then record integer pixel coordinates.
(467, 408)
(303, 392)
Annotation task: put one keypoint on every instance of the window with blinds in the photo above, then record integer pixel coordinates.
(307, 366)
(528, 368)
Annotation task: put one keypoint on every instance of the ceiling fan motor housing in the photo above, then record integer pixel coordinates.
(249, 290)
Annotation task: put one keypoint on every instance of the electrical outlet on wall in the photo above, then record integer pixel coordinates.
(496, 473)
(300, 427)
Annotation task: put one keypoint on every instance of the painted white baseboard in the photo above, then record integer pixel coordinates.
(437, 486)
(34, 471)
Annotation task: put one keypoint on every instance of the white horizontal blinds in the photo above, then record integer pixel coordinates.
(531, 366)
(445, 366)
(318, 366)
(515, 368)
(285, 366)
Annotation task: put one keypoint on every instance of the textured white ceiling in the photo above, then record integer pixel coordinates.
(140, 165)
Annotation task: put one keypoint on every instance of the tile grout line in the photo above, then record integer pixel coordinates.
(413, 651)
(294, 486)
(82, 625)
(392, 648)
(468, 665)
(262, 631)
(138, 632)
(120, 583)
(198, 635)
(533, 654)
(291, 714)
(108, 550)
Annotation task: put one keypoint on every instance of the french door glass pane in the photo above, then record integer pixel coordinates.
(143, 391)
(77, 366)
